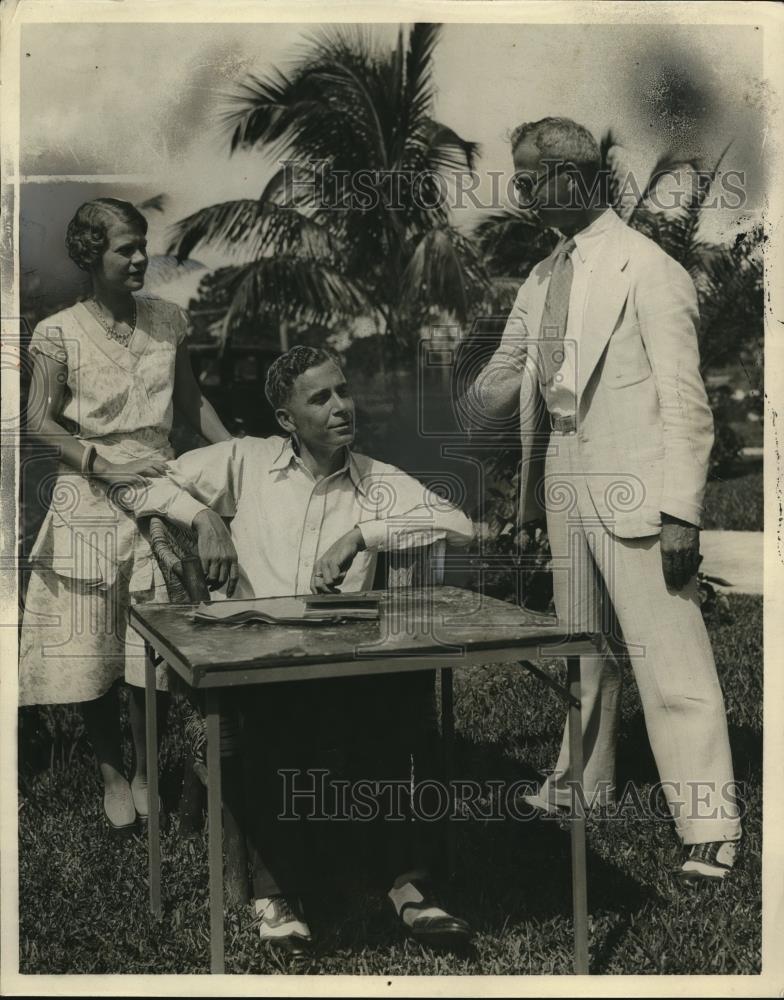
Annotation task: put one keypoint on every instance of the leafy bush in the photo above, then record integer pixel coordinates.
(736, 503)
(727, 446)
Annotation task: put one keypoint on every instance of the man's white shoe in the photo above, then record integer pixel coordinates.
(282, 924)
(712, 861)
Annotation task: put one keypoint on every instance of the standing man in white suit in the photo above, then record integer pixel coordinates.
(600, 357)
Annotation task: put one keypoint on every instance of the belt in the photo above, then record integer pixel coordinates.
(563, 425)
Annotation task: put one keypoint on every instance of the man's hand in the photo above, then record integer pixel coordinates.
(331, 568)
(216, 551)
(680, 551)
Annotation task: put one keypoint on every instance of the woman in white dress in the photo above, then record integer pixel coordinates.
(107, 373)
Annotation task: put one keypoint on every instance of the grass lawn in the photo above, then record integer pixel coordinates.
(83, 897)
(735, 502)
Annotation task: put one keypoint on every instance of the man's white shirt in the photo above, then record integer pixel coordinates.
(283, 519)
(560, 395)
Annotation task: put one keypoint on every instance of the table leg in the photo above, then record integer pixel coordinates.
(153, 822)
(448, 744)
(579, 872)
(215, 831)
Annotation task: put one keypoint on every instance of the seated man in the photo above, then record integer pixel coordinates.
(308, 514)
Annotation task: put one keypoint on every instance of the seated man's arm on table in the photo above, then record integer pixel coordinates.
(400, 513)
(199, 489)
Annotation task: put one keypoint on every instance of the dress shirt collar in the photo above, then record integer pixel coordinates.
(588, 239)
(287, 457)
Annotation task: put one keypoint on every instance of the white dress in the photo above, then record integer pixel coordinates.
(90, 560)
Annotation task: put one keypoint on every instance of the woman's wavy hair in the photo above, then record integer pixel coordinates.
(85, 238)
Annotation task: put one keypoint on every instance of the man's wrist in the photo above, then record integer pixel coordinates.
(101, 467)
(204, 517)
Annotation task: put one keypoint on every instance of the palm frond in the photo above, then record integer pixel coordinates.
(293, 287)
(608, 142)
(666, 165)
(418, 86)
(677, 230)
(611, 154)
(269, 110)
(444, 271)
(512, 242)
(167, 267)
(326, 106)
(249, 228)
(155, 204)
(437, 147)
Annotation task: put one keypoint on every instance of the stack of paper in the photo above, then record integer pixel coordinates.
(312, 609)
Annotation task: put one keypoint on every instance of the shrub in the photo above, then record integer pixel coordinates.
(727, 446)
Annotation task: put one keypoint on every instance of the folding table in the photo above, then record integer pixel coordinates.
(419, 629)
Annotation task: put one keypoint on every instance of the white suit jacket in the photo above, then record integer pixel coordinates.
(644, 426)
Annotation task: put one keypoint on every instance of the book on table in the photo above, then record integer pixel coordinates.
(307, 609)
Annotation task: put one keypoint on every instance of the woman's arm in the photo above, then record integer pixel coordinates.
(45, 406)
(44, 410)
(188, 399)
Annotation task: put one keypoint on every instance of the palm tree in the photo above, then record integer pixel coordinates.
(348, 110)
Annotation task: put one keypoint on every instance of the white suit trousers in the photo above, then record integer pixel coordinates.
(600, 579)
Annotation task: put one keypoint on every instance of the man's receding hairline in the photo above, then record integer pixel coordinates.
(320, 364)
(533, 132)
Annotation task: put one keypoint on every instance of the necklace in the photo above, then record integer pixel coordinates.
(111, 328)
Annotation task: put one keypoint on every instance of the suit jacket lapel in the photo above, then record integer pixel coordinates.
(607, 292)
(536, 298)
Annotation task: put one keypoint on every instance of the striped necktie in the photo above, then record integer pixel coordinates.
(555, 314)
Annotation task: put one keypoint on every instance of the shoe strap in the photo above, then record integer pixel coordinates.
(411, 912)
(412, 893)
(708, 853)
(414, 901)
(288, 909)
